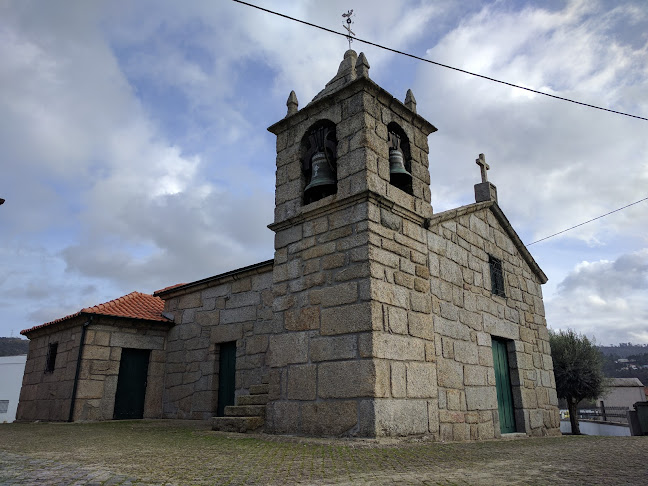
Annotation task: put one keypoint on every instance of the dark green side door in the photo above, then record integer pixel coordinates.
(226, 377)
(131, 384)
(503, 385)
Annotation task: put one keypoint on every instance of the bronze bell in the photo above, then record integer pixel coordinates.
(322, 175)
(397, 173)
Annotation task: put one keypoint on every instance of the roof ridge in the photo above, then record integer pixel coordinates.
(503, 221)
(123, 298)
(169, 288)
(135, 305)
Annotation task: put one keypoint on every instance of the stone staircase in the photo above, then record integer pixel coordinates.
(247, 415)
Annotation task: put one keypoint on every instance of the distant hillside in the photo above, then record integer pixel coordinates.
(13, 346)
(624, 350)
(626, 361)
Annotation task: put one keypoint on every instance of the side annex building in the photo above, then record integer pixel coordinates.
(376, 317)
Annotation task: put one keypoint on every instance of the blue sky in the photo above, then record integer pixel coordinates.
(134, 150)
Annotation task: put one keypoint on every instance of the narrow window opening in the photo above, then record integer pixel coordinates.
(497, 276)
(4, 406)
(51, 357)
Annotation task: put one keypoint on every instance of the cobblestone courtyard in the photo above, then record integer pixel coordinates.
(182, 452)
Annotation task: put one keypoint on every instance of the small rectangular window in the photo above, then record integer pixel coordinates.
(4, 406)
(51, 357)
(497, 276)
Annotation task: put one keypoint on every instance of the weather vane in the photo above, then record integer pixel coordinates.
(349, 22)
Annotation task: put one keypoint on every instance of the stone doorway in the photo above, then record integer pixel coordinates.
(226, 376)
(131, 384)
(503, 385)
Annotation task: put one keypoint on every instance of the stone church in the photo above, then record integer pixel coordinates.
(376, 317)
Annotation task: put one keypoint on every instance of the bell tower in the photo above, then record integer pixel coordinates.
(353, 349)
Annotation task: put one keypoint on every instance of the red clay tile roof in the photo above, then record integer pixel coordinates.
(24, 332)
(134, 306)
(169, 288)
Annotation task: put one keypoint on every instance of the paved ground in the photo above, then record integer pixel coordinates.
(182, 452)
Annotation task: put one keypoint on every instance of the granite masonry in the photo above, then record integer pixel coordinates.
(376, 317)
(63, 382)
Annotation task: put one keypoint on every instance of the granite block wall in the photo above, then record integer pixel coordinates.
(99, 373)
(47, 395)
(467, 315)
(232, 308)
(403, 343)
(320, 375)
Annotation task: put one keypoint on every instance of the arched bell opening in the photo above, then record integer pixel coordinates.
(319, 161)
(400, 159)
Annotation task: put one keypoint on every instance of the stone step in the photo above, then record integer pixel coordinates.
(245, 411)
(252, 399)
(514, 435)
(259, 389)
(237, 424)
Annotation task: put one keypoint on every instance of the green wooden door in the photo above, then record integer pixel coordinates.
(503, 385)
(226, 377)
(131, 384)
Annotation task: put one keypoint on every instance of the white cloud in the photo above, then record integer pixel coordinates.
(605, 298)
(555, 164)
(118, 203)
(610, 278)
(135, 156)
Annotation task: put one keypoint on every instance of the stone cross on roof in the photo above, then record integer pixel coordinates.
(481, 162)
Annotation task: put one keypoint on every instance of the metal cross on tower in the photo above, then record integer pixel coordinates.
(349, 22)
(481, 162)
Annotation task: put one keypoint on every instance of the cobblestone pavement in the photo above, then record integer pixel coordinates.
(178, 453)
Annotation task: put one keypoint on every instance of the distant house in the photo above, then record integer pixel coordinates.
(623, 392)
(100, 363)
(11, 375)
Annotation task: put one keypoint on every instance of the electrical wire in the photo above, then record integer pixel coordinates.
(581, 224)
(472, 74)
(438, 63)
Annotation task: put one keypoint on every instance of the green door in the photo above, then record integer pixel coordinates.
(131, 384)
(503, 385)
(226, 377)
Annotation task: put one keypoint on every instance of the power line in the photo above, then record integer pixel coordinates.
(581, 224)
(438, 63)
(472, 74)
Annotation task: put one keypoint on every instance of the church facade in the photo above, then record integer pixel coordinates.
(377, 316)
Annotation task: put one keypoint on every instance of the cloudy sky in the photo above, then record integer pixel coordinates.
(134, 153)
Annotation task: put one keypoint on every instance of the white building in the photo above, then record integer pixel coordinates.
(12, 369)
(623, 392)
